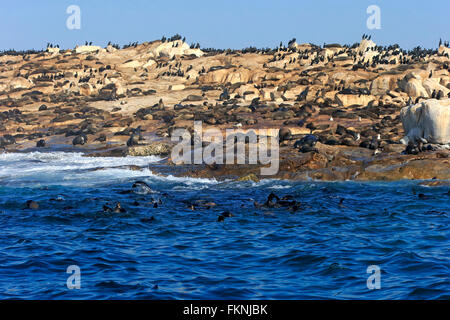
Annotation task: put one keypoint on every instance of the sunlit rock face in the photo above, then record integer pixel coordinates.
(429, 120)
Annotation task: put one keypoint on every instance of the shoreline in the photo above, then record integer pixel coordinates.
(326, 165)
(336, 111)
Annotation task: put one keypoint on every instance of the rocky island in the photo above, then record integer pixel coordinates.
(339, 112)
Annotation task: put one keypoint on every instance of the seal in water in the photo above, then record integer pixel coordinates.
(140, 187)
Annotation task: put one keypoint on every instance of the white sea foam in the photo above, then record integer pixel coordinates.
(62, 168)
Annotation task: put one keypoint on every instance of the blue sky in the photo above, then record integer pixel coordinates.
(27, 24)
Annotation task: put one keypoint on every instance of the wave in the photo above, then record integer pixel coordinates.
(71, 168)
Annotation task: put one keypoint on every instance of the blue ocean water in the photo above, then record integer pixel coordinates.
(321, 251)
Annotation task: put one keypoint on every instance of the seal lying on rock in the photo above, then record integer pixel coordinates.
(40, 143)
(307, 143)
(81, 140)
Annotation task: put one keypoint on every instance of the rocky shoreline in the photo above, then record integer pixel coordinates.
(335, 110)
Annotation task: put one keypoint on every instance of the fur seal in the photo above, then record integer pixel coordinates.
(119, 209)
(309, 140)
(140, 187)
(80, 140)
(32, 205)
(40, 143)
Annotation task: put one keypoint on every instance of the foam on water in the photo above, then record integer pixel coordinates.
(62, 168)
(322, 250)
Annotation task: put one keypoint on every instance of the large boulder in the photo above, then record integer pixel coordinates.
(345, 100)
(175, 48)
(20, 83)
(444, 51)
(416, 86)
(88, 49)
(429, 120)
(132, 64)
(53, 50)
(366, 45)
(383, 84)
(432, 85)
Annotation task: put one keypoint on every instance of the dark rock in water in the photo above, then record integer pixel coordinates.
(80, 140)
(220, 219)
(140, 187)
(32, 205)
(43, 107)
(40, 143)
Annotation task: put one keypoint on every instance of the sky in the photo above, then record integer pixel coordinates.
(236, 24)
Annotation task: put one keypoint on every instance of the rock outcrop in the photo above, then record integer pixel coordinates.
(429, 120)
(348, 98)
(88, 49)
(175, 48)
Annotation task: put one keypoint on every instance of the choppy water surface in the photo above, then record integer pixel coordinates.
(322, 251)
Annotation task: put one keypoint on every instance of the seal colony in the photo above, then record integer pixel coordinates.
(336, 110)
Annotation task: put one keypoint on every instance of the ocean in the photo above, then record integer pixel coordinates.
(170, 244)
